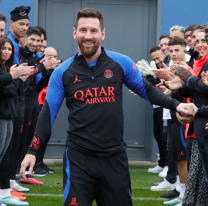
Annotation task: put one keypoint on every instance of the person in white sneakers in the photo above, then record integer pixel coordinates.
(170, 171)
(177, 47)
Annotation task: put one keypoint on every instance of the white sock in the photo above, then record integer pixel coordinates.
(12, 182)
(183, 188)
(178, 184)
(5, 193)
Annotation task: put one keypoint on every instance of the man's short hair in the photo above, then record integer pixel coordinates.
(33, 30)
(89, 12)
(43, 31)
(154, 49)
(164, 36)
(176, 40)
(179, 28)
(198, 26)
(190, 27)
(3, 18)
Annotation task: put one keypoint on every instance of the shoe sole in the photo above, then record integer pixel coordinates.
(162, 176)
(155, 172)
(161, 189)
(23, 190)
(29, 183)
(171, 197)
(12, 202)
(175, 203)
(39, 175)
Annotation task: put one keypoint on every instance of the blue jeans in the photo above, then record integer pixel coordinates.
(6, 128)
(203, 149)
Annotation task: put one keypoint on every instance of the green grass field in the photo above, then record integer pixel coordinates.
(51, 193)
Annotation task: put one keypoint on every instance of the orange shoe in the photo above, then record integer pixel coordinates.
(16, 195)
(20, 193)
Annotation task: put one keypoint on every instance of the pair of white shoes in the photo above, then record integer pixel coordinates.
(161, 170)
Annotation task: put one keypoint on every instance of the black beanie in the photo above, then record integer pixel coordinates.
(20, 12)
(190, 27)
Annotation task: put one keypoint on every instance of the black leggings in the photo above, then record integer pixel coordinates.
(4, 162)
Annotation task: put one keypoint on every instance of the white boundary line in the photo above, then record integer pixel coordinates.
(55, 195)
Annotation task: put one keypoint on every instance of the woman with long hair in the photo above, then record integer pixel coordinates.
(8, 110)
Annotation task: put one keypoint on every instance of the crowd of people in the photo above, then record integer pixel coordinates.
(25, 68)
(181, 71)
(95, 160)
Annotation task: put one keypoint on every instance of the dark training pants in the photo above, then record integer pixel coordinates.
(160, 136)
(172, 167)
(104, 179)
(30, 121)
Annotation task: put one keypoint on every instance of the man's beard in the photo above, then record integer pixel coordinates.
(88, 52)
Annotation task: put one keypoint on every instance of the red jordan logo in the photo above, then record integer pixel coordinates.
(73, 203)
(76, 79)
(29, 123)
(182, 153)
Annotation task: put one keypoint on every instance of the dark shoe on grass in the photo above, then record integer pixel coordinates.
(173, 194)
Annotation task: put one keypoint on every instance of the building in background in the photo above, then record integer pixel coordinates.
(132, 28)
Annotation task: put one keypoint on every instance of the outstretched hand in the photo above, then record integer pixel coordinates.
(180, 63)
(29, 160)
(183, 73)
(161, 87)
(162, 73)
(174, 84)
(51, 62)
(187, 109)
(183, 119)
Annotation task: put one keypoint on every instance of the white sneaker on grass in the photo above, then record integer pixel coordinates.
(163, 186)
(164, 172)
(156, 169)
(19, 188)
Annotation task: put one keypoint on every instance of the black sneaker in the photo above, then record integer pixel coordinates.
(45, 167)
(39, 171)
(173, 194)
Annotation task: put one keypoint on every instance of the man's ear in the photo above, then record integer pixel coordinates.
(11, 22)
(74, 32)
(103, 34)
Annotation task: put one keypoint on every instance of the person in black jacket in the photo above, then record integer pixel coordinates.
(31, 111)
(194, 87)
(8, 110)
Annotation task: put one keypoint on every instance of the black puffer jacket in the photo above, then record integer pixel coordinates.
(9, 98)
